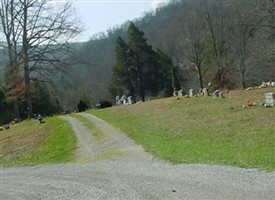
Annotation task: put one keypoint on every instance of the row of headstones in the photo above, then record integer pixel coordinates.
(123, 100)
(268, 84)
(204, 92)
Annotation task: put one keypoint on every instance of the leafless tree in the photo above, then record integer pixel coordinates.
(195, 42)
(218, 26)
(243, 38)
(10, 31)
(37, 37)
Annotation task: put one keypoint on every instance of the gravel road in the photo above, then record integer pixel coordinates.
(114, 167)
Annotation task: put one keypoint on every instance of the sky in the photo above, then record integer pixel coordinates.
(100, 15)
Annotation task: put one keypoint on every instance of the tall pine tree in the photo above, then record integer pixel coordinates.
(141, 53)
(139, 69)
(123, 73)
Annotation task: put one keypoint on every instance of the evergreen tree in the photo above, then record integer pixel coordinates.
(83, 103)
(175, 80)
(123, 73)
(44, 102)
(139, 69)
(5, 108)
(165, 74)
(141, 57)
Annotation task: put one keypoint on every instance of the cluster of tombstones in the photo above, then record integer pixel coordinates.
(123, 100)
(263, 85)
(269, 97)
(193, 93)
(7, 126)
(267, 84)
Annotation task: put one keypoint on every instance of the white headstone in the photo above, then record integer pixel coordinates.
(180, 93)
(191, 94)
(175, 93)
(130, 100)
(269, 99)
(117, 100)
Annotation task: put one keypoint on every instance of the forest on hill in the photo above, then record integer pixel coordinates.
(229, 44)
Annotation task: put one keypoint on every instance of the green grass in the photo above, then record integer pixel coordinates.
(202, 130)
(96, 133)
(31, 143)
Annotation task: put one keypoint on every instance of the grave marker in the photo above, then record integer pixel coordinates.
(269, 99)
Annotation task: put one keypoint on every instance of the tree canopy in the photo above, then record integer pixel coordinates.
(140, 70)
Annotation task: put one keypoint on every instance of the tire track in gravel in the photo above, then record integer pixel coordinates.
(114, 145)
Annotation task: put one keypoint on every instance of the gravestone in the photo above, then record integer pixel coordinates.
(117, 100)
(205, 92)
(273, 84)
(130, 100)
(175, 93)
(269, 99)
(191, 92)
(180, 93)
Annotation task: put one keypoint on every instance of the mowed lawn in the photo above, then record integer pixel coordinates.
(202, 129)
(31, 143)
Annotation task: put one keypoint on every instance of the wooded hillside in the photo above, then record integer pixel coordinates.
(229, 44)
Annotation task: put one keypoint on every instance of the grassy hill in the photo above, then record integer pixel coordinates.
(30, 143)
(193, 130)
(202, 129)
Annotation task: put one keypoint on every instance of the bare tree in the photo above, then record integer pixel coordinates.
(218, 26)
(243, 38)
(195, 37)
(10, 30)
(41, 31)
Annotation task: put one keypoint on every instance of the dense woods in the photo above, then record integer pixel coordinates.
(227, 43)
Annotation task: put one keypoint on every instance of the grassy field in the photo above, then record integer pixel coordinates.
(30, 143)
(202, 129)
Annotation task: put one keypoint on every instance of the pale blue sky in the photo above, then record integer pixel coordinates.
(100, 15)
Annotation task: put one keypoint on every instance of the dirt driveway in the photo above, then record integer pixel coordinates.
(114, 167)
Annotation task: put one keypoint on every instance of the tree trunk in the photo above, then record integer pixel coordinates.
(28, 94)
(132, 91)
(140, 83)
(200, 76)
(243, 78)
(26, 64)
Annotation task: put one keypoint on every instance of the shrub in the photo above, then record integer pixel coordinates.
(82, 106)
(105, 104)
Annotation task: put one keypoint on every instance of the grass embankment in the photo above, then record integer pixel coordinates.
(31, 143)
(202, 129)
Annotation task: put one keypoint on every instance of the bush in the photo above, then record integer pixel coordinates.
(82, 106)
(6, 118)
(105, 104)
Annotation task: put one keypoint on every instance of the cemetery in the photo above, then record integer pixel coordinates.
(267, 102)
(232, 129)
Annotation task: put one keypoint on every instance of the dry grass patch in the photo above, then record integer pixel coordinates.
(21, 138)
(31, 143)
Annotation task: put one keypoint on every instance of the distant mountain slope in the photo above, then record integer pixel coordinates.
(229, 41)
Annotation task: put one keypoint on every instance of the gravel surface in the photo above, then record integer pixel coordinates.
(117, 168)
